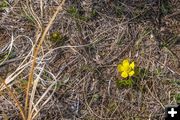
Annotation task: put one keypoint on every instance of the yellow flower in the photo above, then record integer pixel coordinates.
(126, 69)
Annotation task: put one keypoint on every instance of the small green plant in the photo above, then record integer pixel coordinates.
(166, 7)
(75, 13)
(124, 83)
(58, 38)
(141, 73)
(126, 71)
(177, 82)
(3, 5)
(96, 97)
(177, 96)
(130, 75)
(55, 37)
(119, 11)
(93, 13)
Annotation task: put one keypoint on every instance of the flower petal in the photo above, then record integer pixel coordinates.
(126, 66)
(120, 68)
(132, 65)
(131, 73)
(124, 74)
(126, 62)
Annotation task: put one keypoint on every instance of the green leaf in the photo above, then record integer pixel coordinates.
(124, 83)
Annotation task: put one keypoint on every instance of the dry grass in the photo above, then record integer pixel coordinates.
(58, 60)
